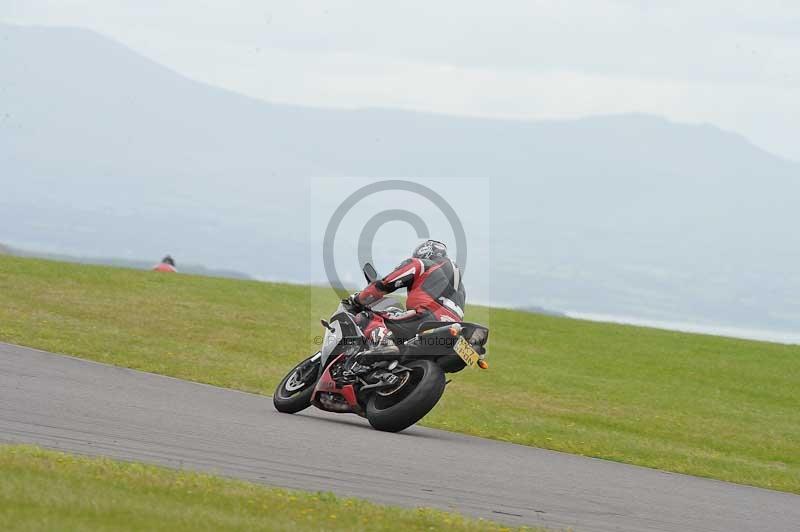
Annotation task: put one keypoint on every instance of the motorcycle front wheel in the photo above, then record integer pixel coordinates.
(294, 392)
(403, 406)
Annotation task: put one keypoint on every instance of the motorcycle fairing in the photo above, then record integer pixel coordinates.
(345, 334)
(326, 384)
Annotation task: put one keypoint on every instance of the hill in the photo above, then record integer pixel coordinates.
(695, 404)
(106, 153)
(195, 269)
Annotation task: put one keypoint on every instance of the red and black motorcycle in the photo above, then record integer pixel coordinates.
(392, 394)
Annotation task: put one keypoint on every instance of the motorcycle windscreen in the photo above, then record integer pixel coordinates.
(345, 333)
(330, 341)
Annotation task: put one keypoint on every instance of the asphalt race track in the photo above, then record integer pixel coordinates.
(85, 407)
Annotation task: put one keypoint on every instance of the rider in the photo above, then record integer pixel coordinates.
(435, 293)
(167, 264)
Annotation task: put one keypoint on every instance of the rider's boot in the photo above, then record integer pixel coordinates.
(382, 347)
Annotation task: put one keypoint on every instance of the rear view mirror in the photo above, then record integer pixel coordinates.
(370, 273)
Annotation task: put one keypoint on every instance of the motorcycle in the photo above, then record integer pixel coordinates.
(393, 393)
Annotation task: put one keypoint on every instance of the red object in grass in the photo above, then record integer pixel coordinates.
(164, 267)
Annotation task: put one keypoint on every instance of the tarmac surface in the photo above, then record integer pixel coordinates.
(85, 407)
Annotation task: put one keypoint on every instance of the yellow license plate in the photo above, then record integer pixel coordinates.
(466, 352)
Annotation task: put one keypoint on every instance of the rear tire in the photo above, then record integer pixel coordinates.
(405, 407)
(291, 400)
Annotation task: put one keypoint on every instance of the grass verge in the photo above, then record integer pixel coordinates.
(702, 405)
(46, 490)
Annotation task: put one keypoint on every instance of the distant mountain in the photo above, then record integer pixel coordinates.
(106, 153)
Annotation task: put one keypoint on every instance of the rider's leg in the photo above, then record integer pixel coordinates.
(404, 326)
(380, 341)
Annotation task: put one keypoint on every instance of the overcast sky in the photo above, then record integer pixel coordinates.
(731, 63)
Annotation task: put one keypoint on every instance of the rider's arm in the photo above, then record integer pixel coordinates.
(402, 277)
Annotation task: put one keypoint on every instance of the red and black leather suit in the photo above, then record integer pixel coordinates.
(435, 293)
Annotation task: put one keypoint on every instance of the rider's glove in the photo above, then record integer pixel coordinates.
(352, 301)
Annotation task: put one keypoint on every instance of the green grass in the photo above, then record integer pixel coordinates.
(46, 490)
(702, 405)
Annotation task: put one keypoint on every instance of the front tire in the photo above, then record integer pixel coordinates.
(294, 392)
(410, 403)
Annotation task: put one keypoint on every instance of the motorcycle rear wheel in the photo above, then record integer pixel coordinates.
(411, 402)
(293, 394)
